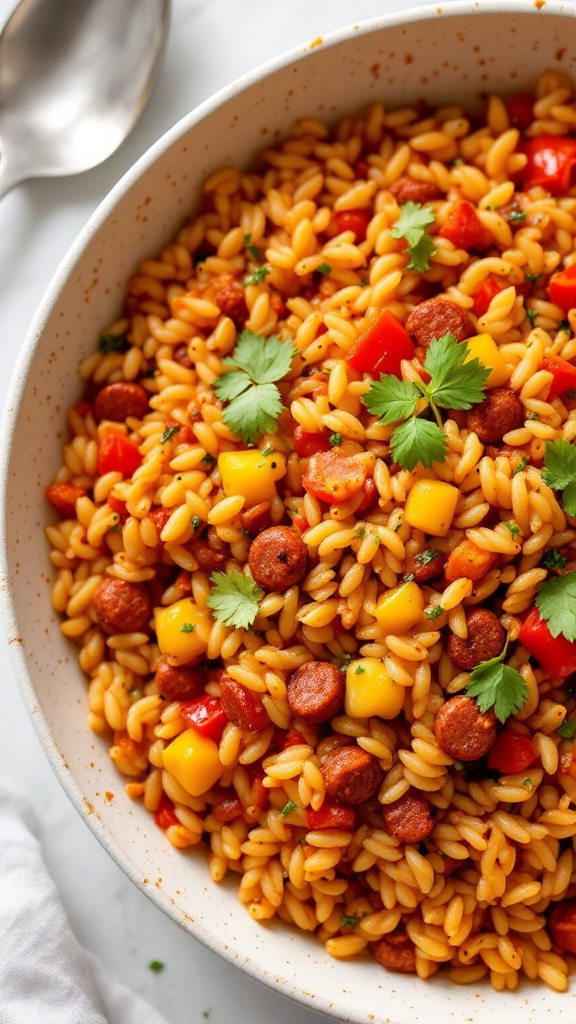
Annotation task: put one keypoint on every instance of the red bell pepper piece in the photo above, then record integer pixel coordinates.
(464, 228)
(288, 738)
(300, 523)
(331, 815)
(511, 752)
(259, 793)
(556, 654)
(206, 715)
(370, 495)
(562, 288)
(484, 294)
(551, 161)
(564, 375)
(307, 442)
(164, 815)
(63, 498)
(335, 476)
(353, 220)
(118, 453)
(520, 109)
(381, 346)
(118, 506)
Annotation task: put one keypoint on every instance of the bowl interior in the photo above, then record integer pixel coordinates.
(446, 54)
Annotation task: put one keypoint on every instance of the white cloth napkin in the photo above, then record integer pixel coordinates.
(46, 976)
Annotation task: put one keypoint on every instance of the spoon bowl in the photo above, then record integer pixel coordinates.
(75, 75)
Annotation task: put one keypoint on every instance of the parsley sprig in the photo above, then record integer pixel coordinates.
(234, 598)
(248, 384)
(454, 384)
(411, 225)
(556, 602)
(497, 685)
(559, 471)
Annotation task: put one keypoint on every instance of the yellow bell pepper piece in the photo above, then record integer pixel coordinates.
(483, 348)
(182, 630)
(193, 761)
(252, 474)
(400, 609)
(430, 506)
(370, 690)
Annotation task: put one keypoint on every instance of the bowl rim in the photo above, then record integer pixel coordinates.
(422, 13)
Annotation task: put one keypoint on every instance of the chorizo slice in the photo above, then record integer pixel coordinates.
(396, 952)
(410, 819)
(120, 400)
(351, 775)
(277, 558)
(463, 731)
(411, 190)
(436, 317)
(315, 691)
(500, 412)
(257, 518)
(425, 566)
(179, 682)
(122, 607)
(243, 706)
(562, 923)
(228, 294)
(485, 640)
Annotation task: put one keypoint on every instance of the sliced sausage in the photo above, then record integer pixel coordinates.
(396, 952)
(485, 640)
(411, 818)
(277, 558)
(407, 189)
(122, 607)
(208, 558)
(500, 412)
(463, 731)
(181, 356)
(243, 706)
(257, 518)
(179, 682)
(425, 566)
(228, 294)
(562, 922)
(468, 560)
(351, 775)
(315, 691)
(118, 401)
(436, 317)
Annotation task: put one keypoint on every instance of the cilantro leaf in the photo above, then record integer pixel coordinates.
(263, 359)
(569, 498)
(566, 730)
(554, 559)
(248, 384)
(391, 399)
(232, 384)
(234, 598)
(499, 686)
(411, 225)
(456, 383)
(559, 464)
(254, 412)
(417, 440)
(556, 602)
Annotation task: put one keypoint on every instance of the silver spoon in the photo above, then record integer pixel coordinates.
(75, 75)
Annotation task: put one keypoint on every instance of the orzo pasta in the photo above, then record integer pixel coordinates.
(317, 535)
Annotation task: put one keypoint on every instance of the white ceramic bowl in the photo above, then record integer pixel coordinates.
(443, 54)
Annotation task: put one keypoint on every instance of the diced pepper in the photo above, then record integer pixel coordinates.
(251, 473)
(63, 498)
(555, 654)
(398, 610)
(206, 715)
(483, 348)
(284, 738)
(181, 630)
(118, 453)
(259, 794)
(307, 442)
(164, 815)
(469, 561)
(118, 506)
(371, 691)
(331, 815)
(520, 110)
(562, 288)
(464, 228)
(550, 162)
(193, 761)
(484, 294)
(564, 375)
(511, 752)
(430, 506)
(336, 476)
(381, 346)
(353, 220)
(370, 495)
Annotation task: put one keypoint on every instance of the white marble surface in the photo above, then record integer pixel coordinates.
(211, 42)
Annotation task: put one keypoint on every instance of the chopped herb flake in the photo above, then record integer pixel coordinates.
(156, 965)
(566, 730)
(169, 433)
(112, 343)
(234, 598)
(335, 440)
(187, 627)
(257, 277)
(288, 808)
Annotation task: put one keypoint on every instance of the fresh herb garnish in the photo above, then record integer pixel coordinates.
(169, 433)
(528, 783)
(454, 384)
(259, 274)
(560, 471)
(556, 602)
(531, 315)
(564, 325)
(187, 627)
(112, 343)
(252, 249)
(435, 612)
(234, 598)
(532, 278)
(196, 522)
(514, 530)
(554, 559)
(324, 268)
(156, 965)
(359, 670)
(348, 921)
(411, 225)
(496, 685)
(516, 216)
(521, 465)
(248, 384)
(209, 459)
(566, 730)
(288, 808)
(335, 440)
(427, 556)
